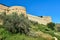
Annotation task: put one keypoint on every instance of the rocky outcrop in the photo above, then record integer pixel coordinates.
(41, 34)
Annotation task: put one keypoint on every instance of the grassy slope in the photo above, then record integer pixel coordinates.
(5, 35)
(22, 37)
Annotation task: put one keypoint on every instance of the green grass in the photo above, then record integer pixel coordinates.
(43, 29)
(5, 35)
(22, 37)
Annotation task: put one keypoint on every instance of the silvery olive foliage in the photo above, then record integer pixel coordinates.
(15, 23)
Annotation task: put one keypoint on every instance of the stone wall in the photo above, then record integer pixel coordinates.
(21, 10)
(41, 20)
(3, 8)
(10, 10)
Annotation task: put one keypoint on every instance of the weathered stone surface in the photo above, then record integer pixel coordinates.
(41, 34)
(41, 20)
(21, 10)
(10, 10)
(18, 9)
(3, 8)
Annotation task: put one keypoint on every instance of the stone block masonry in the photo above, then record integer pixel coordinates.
(21, 10)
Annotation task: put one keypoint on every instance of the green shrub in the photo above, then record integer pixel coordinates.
(15, 23)
(51, 25)
(4, 33)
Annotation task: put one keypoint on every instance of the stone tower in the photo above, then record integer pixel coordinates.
(10, 10)
(17, 9)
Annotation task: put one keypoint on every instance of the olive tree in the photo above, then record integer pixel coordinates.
(16, 23)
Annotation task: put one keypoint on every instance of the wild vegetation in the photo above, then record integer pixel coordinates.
(20, 28)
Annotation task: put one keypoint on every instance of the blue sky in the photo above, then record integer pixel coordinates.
(38, 7)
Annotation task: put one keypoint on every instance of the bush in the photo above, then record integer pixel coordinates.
(51, 25)
(15, 23)
(4, 33)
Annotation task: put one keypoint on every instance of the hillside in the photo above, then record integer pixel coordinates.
(15, 24)
(21, 28)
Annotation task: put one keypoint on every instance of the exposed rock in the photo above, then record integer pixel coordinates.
(41, 34)
(55, 38)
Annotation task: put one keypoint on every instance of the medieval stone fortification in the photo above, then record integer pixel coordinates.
(41, 19)
(19, 9)
(9, 10)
